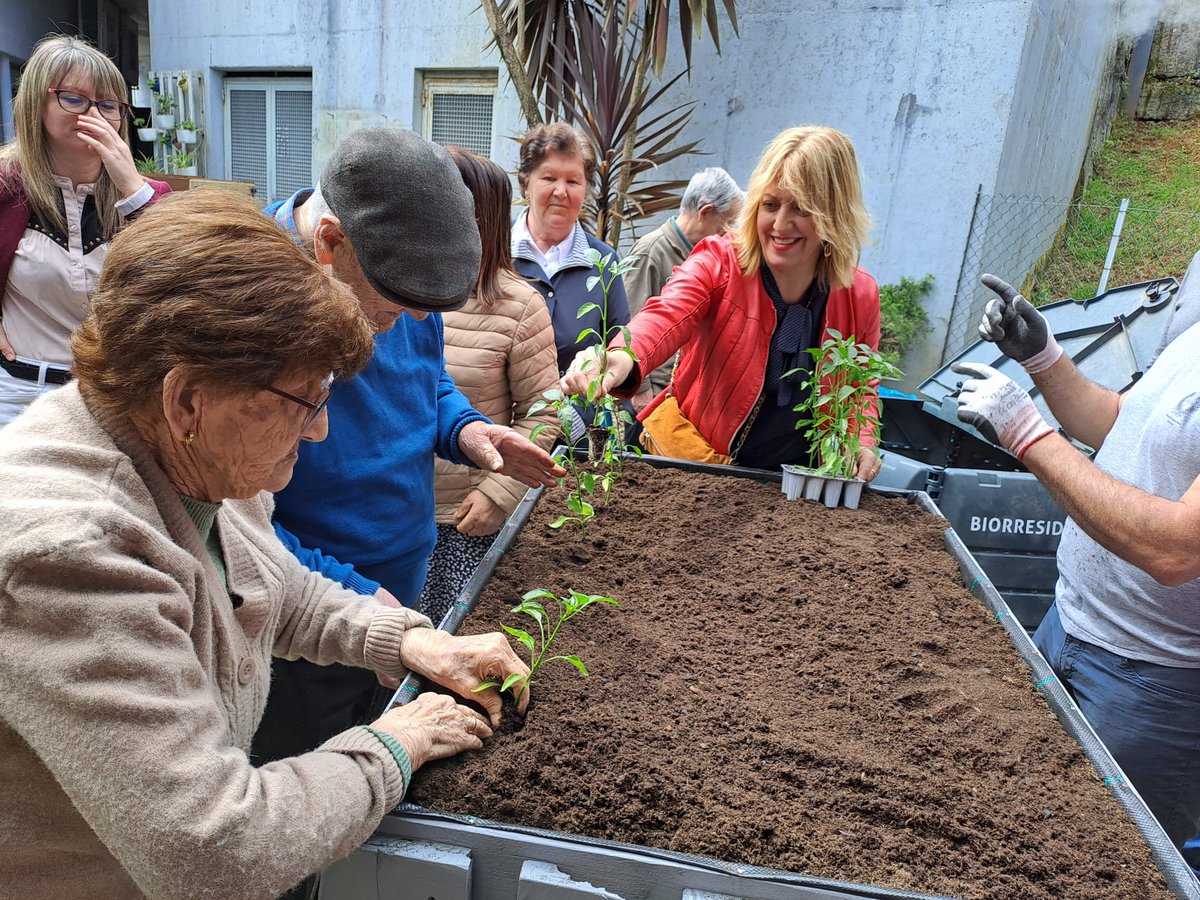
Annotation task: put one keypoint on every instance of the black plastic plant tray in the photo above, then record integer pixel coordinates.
(628, 865)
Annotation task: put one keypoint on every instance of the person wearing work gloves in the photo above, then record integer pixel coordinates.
(1123, 634)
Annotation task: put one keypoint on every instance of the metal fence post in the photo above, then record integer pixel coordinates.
(1112, 247)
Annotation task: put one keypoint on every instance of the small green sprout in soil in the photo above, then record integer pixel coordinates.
(531, 605)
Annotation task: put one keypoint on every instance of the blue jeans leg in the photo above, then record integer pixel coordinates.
(1148, 716)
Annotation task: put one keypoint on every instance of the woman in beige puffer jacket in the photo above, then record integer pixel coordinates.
(500, 352)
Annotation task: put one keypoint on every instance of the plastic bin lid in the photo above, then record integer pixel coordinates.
(1112, 338)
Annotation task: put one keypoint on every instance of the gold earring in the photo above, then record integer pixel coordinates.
(188, 438)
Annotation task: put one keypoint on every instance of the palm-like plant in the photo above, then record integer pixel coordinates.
(586, 61)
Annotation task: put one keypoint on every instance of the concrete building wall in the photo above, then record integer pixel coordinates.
(943, 98)
(364, 56)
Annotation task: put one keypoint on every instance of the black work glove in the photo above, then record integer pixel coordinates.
(1019, 330)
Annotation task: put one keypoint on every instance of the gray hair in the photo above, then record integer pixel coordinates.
(712, 185)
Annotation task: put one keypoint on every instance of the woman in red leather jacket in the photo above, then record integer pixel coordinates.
(745, 308)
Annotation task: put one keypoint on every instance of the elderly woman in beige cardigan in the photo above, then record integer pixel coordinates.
(500, 352)
(143, 592)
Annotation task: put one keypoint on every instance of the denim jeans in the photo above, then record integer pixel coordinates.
(1148, 716)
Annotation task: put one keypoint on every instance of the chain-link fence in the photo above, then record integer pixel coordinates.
(1054, 249)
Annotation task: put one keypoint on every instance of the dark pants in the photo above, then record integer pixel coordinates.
(1148, 716)
(309, 704)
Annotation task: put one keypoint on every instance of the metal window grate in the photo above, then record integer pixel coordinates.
(270, 134)
(248, 138)
(464, 120)
(293, 142)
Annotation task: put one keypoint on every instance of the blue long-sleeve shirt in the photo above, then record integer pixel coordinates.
(364, 495)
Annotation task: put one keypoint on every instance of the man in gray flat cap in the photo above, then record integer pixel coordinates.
(394, 220)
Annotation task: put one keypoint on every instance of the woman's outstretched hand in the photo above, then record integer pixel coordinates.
(586, 366)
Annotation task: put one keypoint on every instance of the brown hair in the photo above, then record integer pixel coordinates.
(818, 167)
(25, 162)
(204, 281)
(492, 190)
(558, 137)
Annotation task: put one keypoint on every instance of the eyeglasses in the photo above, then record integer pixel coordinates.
(77, 104)
(314, 409)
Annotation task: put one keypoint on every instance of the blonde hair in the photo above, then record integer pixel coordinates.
(818, 167)
(25, 164)
(204, 281)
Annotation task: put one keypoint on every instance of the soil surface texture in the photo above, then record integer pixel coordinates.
(789, 686)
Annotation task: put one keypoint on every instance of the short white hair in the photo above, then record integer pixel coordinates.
(317, 207)
(712, 185)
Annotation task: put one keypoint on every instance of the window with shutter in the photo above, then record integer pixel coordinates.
(268, 123)
(457, 109)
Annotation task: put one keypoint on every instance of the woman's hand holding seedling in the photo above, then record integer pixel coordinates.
(462, 663)
(586, 366)
(433, 726)
(866, 464)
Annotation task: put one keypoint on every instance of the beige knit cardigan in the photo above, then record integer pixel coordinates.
(130, 686)
(502, 357)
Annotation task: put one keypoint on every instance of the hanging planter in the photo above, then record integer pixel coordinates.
(186, 132)
(165, 121)
(142, 95)
(145, 131)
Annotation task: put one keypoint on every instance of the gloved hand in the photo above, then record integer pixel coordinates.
(1019, 330)
(1001, 410)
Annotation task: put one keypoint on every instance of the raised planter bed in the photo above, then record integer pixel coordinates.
(794, 701)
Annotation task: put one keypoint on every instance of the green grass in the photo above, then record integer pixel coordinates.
(1154, 166)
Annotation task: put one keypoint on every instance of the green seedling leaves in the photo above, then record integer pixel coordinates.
(588, 307)
(568, 605)
(577, 663)
(523, 636)
(537, 431)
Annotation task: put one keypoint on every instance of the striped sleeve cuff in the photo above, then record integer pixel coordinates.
(399, 754)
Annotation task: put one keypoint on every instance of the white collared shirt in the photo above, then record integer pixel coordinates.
(554, 258)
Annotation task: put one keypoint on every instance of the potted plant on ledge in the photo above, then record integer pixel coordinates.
(184, 162)
(834, 413)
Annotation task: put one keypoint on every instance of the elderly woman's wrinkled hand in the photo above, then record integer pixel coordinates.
(500, 449)
(434, 726)
(463, 663)
(586, 366)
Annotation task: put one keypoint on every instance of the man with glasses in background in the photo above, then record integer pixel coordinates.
(394, 220)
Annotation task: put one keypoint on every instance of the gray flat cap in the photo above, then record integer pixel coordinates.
(409, 217)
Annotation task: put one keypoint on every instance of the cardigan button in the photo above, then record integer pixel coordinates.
(245, 671)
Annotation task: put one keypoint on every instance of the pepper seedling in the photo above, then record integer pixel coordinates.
(581, 511)
(835, 409)
(531, 605)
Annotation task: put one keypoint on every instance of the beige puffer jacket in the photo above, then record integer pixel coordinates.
(502, 357)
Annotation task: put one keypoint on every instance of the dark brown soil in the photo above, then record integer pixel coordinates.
(793, 687)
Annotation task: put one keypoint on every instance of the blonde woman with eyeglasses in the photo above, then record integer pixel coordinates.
(67, 184)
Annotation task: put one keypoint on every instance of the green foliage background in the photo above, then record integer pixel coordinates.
(904, 320)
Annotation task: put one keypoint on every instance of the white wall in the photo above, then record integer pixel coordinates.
(363, 55)
(941, 97)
